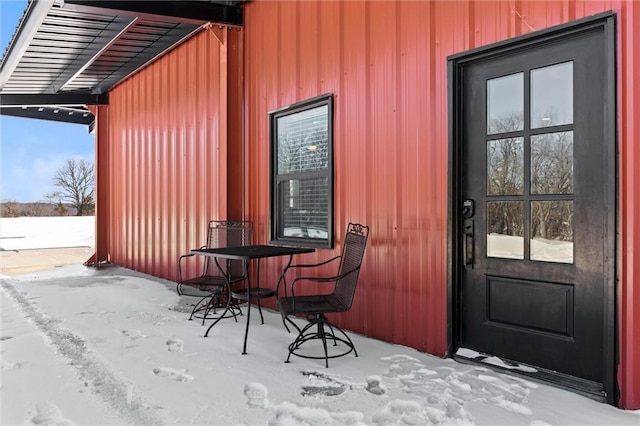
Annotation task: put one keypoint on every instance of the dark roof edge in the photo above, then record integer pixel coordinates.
(60, 99)
(185, 11)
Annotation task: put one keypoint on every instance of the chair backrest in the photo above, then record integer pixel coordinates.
(227, 233)
(352, 254)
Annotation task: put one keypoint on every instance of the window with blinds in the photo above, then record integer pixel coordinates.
(302, 173)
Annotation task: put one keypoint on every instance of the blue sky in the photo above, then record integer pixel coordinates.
(31, 151)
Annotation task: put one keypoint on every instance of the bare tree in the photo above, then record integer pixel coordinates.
(10, 208)
(76, 182)
(552, 173)
(550, 164)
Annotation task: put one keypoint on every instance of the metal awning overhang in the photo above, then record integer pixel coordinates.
(68, 54)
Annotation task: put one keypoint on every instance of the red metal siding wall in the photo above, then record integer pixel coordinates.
(385, 62)
(168, 153)
(629, 258)
(175, 157)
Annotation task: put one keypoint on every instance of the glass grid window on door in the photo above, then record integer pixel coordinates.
(541, 147)
(302, 173)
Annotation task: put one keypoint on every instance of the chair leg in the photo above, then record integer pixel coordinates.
(260, 310)
(316, 329)
(324, 342)
(208, 306)
(335, 342)
(286, 318)
(198, 306)
(227, 308)
(214, 300)
(303, 336)
(246, 330)
(284, 322)
(350, 344)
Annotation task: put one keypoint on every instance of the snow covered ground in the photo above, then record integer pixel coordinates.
(22, 233)
(111, 346)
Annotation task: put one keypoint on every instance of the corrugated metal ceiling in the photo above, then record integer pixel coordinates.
(70, 53)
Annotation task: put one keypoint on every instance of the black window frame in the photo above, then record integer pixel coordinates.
(277, 236)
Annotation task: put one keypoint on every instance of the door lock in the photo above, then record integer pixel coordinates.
(468, 208)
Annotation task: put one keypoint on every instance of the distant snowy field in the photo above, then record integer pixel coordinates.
(22, 233)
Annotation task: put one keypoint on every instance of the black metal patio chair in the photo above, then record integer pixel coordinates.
(211, 285)
(314, 307)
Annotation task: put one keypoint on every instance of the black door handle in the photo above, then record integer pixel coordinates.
(467, 244)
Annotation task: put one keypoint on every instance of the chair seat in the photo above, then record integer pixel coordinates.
(254, 292)
(309, 305)
(208, 282)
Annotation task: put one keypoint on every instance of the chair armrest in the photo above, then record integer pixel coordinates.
(190, 254)
(311, 265)
(283, 278)
(181, 258)
(331, 279)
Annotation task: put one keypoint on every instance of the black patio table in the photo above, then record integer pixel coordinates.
(245, 254)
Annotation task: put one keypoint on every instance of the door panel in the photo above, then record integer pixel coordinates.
(532, 285)
(530, 306)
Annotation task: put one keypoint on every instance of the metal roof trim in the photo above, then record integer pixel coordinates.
(60, 99)
(31, 21)
(57, 113)
(71, 52)
(184, 11)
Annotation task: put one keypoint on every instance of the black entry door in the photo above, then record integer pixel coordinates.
(535, 206)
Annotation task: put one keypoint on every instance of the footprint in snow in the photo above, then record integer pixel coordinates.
(323, 384)
(374, 386)
(173, 374)
(323, 390)
(329, 385)
(256, 394)
(49, 415)
(401, 412)
(133, 334)
(7, 365)
(449, 389)
(289, 413)
(400, 365)
(175, 345)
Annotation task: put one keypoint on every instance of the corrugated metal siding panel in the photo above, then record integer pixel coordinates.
(629, 117)
(386, 64)
(167, 162)
(370, 56)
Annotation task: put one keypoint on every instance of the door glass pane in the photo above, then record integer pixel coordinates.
(552, 231)
(505, 104)
(505, 166)
(552, 163)
(505, 229)
(552, 95)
